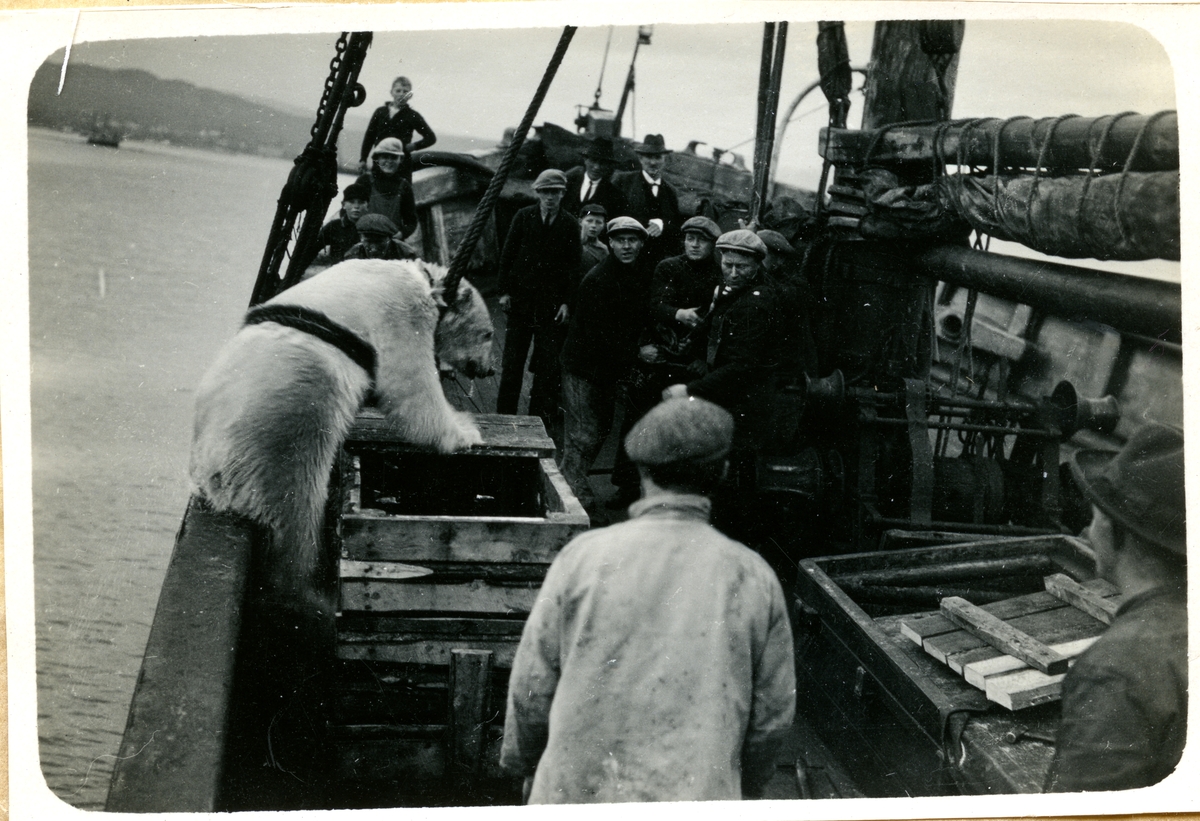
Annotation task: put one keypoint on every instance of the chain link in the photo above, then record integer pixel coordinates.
(334, 65)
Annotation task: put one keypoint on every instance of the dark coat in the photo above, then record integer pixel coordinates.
(540, 263)
(393, 198)
(339, 236)
(607, 317)
(402, 126)
(742, 353)
(641, 204)
(606, 194)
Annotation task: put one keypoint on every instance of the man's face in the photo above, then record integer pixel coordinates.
(737, 269)
(625, 246)
(388, 163)
(652, 164)
(592, 225)
(1099, 534)
(354, 209)
(549, 199)
(375, 244)
(596, 169)
(401, 93)
(696, 246)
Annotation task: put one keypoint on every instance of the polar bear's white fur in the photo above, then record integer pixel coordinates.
(274, 408)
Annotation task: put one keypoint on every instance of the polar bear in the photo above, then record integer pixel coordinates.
(274, 408)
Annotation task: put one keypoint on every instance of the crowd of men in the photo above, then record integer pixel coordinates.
(657, 662)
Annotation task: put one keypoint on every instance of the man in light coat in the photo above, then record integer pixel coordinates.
(657, 664)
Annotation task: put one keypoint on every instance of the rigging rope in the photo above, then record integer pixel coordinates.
(603, 66)
(467, 247)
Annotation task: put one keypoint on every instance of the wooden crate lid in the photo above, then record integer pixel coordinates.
(503, 435)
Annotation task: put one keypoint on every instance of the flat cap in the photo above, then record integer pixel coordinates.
(702, 225)
(356, 191)
(550, 178)
(389, 145)
(684, 429)
(621, 225)
(743, 241)
(593, 208)
(1142, 486)
(776, 242)
(376, 224)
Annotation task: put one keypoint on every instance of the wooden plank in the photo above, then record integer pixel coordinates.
(175, 743)
(976, 570)
(397, 760)
(352, 624)
(1063, 623)
(977, 673)
(1025, 688)
(465, 597)
(374, 537)
(1087, 600)
(502, 435)
(560, 503)
(386, 571)
(1004, 636)
(981, 548)
(427, 651)
(470, 682)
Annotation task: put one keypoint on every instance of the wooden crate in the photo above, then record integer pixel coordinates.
(906, 723)
(441, 560)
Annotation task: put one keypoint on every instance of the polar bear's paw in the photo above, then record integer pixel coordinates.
(463, 434)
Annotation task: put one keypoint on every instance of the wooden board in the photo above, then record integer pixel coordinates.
(1003, 635)
(426, 651)
(503, 435)
(1089, 601)
(465, 597)
(370, 536)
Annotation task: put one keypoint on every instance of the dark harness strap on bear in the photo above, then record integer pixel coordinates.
(322, 327)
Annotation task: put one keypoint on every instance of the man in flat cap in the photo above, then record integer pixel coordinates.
(1124, 701)
(377, 239)
(651, 200)
(538, 266)
(657, 664)
(672, 346)
(590, 183)
(609, 314)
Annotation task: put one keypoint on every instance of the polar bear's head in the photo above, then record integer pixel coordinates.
(463, 341)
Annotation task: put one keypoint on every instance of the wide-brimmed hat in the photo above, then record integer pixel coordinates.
(1141, 487)
(777, 243)
(599, 149)
(653, 144)
(389, 145)
(626, 225)
(702, 225)
(683, 429)
(376, 224)
(550, 178)
(742, 241)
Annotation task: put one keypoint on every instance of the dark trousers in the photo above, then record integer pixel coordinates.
(640, 392)
(546, 339)
(589, 417)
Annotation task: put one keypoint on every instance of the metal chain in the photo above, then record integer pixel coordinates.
(334, 65)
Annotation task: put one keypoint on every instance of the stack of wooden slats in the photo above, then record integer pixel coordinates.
(442, 558)
(1022, 660)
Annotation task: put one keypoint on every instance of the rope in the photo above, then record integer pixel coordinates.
(1043, 149)
(603, 66)
(1137, 144)
(467, 247)
(1097, 151)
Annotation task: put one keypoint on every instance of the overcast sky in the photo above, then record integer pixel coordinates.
(694, 82)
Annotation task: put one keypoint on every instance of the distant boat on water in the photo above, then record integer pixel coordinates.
(103, 132)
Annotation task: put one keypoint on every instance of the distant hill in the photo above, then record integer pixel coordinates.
(145, 107)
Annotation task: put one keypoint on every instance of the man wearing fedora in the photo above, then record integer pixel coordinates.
(1124, 701)
(651, 200)
(657, 663)
(590, 183)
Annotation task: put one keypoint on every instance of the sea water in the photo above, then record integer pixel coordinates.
(142, 260)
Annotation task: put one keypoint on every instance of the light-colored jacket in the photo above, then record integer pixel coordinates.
(657, 665)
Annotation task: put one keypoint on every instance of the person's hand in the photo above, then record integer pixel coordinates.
(688, 316)
(675, 392)
(362, 166)
(526, 789)
(649, 353)
(562, 315)
(655, 228)
(505, 303)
